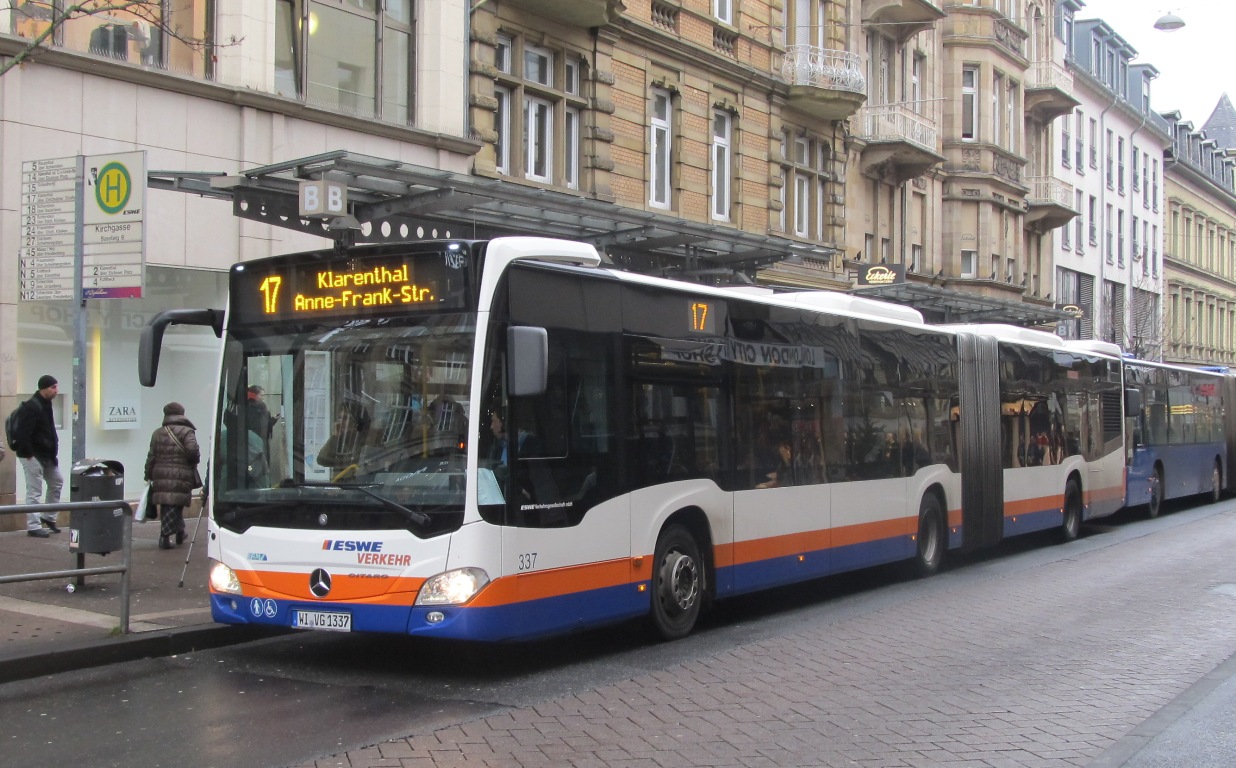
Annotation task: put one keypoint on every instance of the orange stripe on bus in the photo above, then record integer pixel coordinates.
(343, 587)
(537, 585)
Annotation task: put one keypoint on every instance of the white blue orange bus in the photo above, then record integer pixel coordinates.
(507, 439)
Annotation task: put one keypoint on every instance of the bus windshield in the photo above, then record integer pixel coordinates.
(353, 425)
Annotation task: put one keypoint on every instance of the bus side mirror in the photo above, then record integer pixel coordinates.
(150, 345)
(527, 354)
(1132, 402)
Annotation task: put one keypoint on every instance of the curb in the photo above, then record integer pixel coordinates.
(146, 645)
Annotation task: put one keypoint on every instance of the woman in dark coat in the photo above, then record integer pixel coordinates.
(170, 469)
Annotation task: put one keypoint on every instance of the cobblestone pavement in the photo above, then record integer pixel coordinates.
(1046, 663)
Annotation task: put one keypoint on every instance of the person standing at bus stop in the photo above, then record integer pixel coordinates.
(171, 470)
(37, 446)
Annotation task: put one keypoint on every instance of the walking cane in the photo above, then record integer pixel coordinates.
(201, 512)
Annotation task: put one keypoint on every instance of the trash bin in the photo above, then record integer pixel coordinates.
(96, 531)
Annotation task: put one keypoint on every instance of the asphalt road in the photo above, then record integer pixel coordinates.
(290, 700)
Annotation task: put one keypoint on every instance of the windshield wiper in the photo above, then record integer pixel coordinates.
(420, 518)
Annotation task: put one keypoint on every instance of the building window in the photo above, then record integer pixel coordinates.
(540, 112)
(917, 67)
(1134, 155)
(1154, 191)
(538, 135)
(1110, 161)
(354, 58)
(1110, 251)
(722, 130)
(1120, 238)
(969, 103)
(969, 263)
(1120, 164)
(1080, 138)
(659, 157)
(502, 126)
(1010, 122)
(1094, 143)
(1094, 221)
(802, 190)
(1066, 144)
(997, 114)
(571, 132)
(1079, 222)
(723, 10)
(807, 172)
(1146, 246)
(138, 36)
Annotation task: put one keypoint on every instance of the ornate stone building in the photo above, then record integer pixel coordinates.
(1200, 242)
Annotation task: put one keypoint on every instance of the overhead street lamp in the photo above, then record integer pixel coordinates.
(1170, 22)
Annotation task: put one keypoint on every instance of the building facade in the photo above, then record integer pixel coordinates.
(219, 86)
(1110, 149)
(798, 144)
(1199, 247)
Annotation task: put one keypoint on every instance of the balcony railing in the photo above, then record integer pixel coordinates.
(894, 122)
(823, 68)
(1049, 74)
(1045, 190)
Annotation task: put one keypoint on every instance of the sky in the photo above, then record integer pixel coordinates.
(1195, 63)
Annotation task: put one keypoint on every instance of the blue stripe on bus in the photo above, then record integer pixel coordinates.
(750, 577)
(517, 621)
(1026, 522)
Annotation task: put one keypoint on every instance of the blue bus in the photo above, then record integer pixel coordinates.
(1177, 440)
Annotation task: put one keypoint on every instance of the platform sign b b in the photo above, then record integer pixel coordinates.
(323, 198)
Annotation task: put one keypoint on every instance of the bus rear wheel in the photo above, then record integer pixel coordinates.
(1071, 526)
(1155, 505)
(677, 583)
(930, 552)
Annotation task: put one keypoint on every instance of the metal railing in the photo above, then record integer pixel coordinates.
(823, 68)
(79, 573)
(1049, 74)
(1047, 190)
(894, 122)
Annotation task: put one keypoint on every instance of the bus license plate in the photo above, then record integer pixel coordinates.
(328, 620)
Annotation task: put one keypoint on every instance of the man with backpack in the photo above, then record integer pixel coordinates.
(32, 436)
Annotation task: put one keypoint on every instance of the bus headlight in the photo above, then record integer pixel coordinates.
(223, 579)
(453, 587)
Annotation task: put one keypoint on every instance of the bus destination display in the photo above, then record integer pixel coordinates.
(349, 288)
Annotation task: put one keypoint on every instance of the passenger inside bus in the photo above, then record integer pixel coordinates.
(782, 474)
(341, 453)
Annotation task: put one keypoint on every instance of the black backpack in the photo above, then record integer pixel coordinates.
(10, 429)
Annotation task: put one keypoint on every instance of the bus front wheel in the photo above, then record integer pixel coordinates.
(1071, 527)
(677, 583)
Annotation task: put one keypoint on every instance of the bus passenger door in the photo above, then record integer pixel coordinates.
(567, 536)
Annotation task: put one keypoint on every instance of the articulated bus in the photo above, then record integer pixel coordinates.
(505, 440)
(1179, 438)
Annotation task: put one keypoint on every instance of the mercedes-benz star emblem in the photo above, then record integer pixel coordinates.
(319, 583)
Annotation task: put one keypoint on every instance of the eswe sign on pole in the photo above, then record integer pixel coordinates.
(113, 226)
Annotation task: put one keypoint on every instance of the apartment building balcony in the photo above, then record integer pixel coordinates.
(577, 13)
(1049, 91)
(1050, 202)
(904, 18)
(901, 143)
(824, 83)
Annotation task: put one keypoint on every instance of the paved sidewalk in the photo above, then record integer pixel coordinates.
(44, 628)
